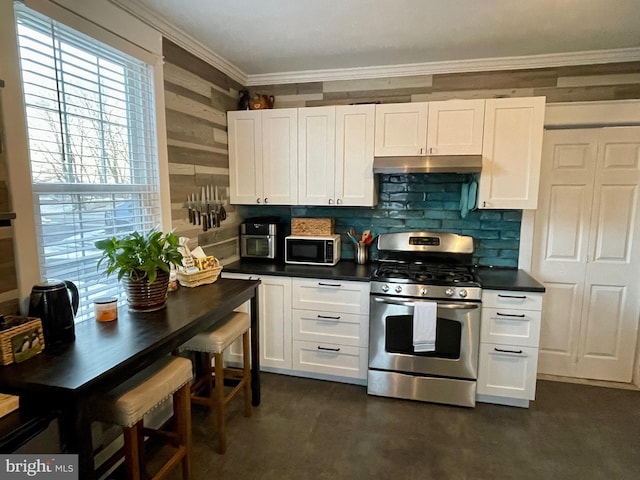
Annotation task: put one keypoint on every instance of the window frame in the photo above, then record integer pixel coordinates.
(110, 25)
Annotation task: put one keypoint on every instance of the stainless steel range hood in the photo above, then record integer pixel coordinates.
(428, 164)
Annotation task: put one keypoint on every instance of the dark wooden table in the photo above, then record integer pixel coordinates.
(105, 354)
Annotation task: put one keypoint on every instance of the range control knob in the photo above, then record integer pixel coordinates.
(385, 288)
(398, 289)
(449, 292)
(462, 292)
(423, 291)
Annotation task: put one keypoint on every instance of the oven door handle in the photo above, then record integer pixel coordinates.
(449, 306)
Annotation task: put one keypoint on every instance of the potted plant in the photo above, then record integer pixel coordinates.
(142, 261)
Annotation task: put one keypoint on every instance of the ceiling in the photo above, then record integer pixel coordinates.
(259, 37)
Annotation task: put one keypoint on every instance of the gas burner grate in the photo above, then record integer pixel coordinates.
(443, 274)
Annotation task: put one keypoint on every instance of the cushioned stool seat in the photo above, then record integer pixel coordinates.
(127, 404)
(208, 388)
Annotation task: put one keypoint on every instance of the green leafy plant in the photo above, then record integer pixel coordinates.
(139, 255)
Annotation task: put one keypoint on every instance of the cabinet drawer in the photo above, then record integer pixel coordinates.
(330, 359)
(510, 327)
(512, 299)
(506, 371)
(331, 327)
(331, 296)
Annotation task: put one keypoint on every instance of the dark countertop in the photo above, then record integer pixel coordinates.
(491, 278)
(344, 270)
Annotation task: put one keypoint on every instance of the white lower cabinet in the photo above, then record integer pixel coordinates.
(311, 327)
(509, 338)
(274, 313)
(331, 327)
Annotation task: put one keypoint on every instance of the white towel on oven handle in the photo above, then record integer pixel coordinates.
(425, 317)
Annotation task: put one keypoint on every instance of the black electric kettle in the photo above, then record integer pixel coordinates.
(55, 302)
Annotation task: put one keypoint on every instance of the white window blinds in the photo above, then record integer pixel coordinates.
(92, 144)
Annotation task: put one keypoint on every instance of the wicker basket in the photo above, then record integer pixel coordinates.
(188, 278)
(312, 226)
(20, 327)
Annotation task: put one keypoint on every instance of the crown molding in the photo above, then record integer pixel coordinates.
(184, 40)
(455, 66)
(180, 38)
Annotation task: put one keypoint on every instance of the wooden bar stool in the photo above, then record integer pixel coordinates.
(127, 404)
(211, 380)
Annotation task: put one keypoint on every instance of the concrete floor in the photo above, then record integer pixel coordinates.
(310, 429)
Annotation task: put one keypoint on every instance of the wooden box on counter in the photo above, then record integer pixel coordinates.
(312, 227)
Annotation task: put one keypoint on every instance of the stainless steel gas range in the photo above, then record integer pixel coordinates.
(425, 272)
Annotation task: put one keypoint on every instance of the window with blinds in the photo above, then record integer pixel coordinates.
(93, 150)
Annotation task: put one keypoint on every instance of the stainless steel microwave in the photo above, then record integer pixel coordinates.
(312, 250)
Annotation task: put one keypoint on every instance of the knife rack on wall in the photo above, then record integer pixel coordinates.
(206, 208)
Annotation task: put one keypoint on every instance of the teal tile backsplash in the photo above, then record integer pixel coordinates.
(416, 202)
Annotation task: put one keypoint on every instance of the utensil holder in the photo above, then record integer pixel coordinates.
(360, 253)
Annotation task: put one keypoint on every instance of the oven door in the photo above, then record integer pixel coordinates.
(457, 338)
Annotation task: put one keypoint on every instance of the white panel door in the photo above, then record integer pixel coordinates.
(585, 231)
(316, 155)
(612, 296)
(354, 180)
(401, 129)
(280, 156)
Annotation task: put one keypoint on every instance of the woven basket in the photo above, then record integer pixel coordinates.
(201, 277)
(312, 226)
(20, 327)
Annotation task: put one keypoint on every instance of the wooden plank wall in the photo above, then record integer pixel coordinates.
(616, 81)
(197, 97)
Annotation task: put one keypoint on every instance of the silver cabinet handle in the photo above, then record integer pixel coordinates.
(519, 297)
(322, 284)
(326, 317)
(330, 201)
(339, 201)
(266, 200)
(327, 349)
(513, 315)
(257, 200)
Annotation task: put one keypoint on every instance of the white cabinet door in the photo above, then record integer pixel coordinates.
(354, 179)
(401, 129)
(329, 359)
(274, 313)
(455, 127)
(245, 156)
(316, 155)
(507, 371)
(511, 151)
(280, 156)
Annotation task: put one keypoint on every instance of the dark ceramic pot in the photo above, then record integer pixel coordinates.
(144, 296)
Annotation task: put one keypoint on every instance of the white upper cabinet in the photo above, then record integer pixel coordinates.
(455, 127)
(354, 180)
(335, 151)
(263, 156)
(401, 129)
(245, 156)
(450, 127)
(317, 155)
(511, 153)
